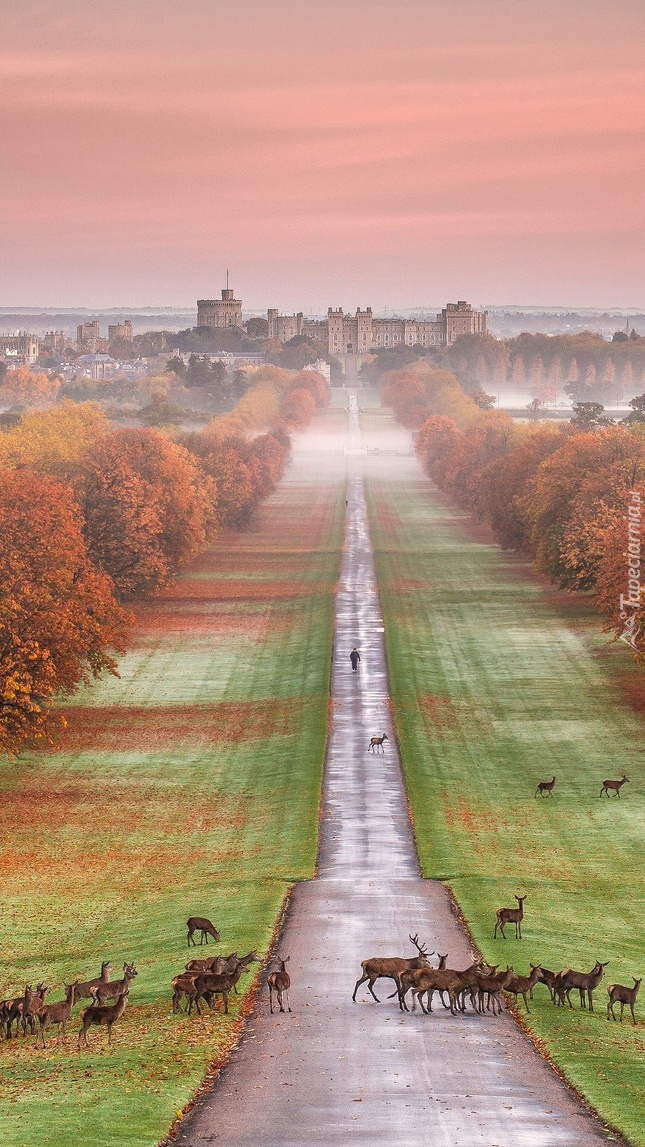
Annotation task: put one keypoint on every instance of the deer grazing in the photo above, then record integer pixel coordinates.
(510, 916)
(201, 924)
(391, 967)
(614, 786)
(523, 985)
(376, 743)
(545, 788)
(102, 1016)
(619, 994)
(59, 1014)
(85, 990)
(112, 989)
(585, 982)
(279, 982)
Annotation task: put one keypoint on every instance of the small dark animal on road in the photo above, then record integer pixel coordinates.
(511, 916)
(545, 788)
(376, 743)
(201, 924)
(280, 982)
(619, 994)
(614, 786)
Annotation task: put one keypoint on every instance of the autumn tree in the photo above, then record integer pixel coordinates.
(59, 623)
(24, 387)
(148, 508)
(54, 441)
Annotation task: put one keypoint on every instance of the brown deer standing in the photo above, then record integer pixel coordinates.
(209, 985)
(56, 1014)
(390, 967)
(279, 982)
(619, 994)
(614, 786)
(111, 991)
(184, 984)
(492, 987)
(201, 924)
(85, 990)
(545, 787)
(407, 980)
(102, 1016)
(376, 743)
(213, 964)
(585, 982)
(523, 985)
(550, 979)
(510, 916)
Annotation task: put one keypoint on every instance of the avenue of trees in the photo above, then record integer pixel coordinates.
(93, 518)
(584, 367)
(558, 492)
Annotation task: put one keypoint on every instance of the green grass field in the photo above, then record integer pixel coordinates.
(498, 683)
(189, 786)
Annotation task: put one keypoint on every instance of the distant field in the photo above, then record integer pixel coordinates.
(498, 684)
(190, 785)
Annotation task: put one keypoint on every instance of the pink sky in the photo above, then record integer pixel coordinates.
(343, 153)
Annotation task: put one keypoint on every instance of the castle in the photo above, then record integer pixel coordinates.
(347, 336)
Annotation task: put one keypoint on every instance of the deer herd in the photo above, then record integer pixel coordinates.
(484, 984)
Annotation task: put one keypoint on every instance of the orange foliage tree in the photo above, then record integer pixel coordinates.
(59, 622)
(148, 508)
(296, 409)
(24, 387)
(54, 441)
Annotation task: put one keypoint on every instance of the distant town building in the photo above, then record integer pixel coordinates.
(284, 327)
(322, 367)
(55, 343)
(96, 366)
(19, 349)
(220, 313)
(88, 338)
(122, 331)
(362, 333)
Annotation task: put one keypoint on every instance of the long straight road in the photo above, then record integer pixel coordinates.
(334, 1072)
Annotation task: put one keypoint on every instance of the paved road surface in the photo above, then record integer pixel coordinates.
(333, 1072)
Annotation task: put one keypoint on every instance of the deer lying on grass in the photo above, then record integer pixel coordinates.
(614, 786)
(390, 967)
(585, 982)
(619, 994)
(201, 924)
(56, 1014)
(279, 982)
(510, 916)
(376, 743)
(85, 990)
(102, 1016)
(113, 989)
(545, 787)
(523, 985)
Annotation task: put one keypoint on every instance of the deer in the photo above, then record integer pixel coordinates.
(550, 979)
(110, 991)
(614, 786)
(209, 984)
(213, 964)
(545, 787)
(585, 982)
(32, 1005)
(376, 743)
(85, 990)
(279, 982)
(432, 980)
(492, 986)
(619, 994)
(406, 980)
(58, 1013)
(522, 985)
(201, 924)
(510, 916)
(102, 1016)
(12, 1010)
(390, 967)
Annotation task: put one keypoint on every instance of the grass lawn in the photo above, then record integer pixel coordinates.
(498, 683)
(189, 786)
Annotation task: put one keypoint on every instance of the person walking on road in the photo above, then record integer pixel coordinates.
(354, 657)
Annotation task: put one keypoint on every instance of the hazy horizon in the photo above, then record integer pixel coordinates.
(325, 154)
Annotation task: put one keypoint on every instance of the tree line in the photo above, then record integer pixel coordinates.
(559, 492)
(94, 518)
